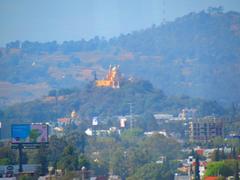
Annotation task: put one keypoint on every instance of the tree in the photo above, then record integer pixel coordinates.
(233, 153)
(218, 141)
(131, 135)
(102, 152)
(27, 177)
(77, 139)
(224, 168)
(147, 122)
(52, 92)
(222, 154)
(7, 156)
(215, 10)
(236, 171)
(41, 158)
(15, 44)
(158, 145)
(83, 162)
(55, 149)
(118, 163)
(69, 159)
(216, 155)
(152, 171)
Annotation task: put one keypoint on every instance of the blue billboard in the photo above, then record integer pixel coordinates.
(29, 133)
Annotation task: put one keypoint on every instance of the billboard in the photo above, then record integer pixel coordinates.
(123, 121)
(95, 121)
(29, 133)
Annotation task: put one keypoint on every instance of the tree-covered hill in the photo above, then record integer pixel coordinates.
(93, 101)
(196, 55)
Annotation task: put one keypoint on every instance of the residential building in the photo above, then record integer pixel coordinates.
(203, 130)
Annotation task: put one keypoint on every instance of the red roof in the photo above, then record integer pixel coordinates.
(211, 178)
(64, 120)
(200, 151)
(202, 163)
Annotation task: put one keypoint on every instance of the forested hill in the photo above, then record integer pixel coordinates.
(91, 101)
(196, 55)
(212, 37)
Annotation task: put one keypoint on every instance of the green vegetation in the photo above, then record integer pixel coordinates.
(152, 171)
(224, 168)
(7, 156)
(125, 156)
(34, 135)
(69, 159)
(107, 103)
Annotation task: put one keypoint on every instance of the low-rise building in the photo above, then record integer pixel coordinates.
(163, 117)
(63, 121)
(181, 177)
(151, 133)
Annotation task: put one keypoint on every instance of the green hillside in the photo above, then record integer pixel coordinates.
(195, 55)
(91, 101)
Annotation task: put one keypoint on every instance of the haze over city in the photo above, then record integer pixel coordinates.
(120, 90)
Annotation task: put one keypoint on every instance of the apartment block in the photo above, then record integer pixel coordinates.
(203, 130)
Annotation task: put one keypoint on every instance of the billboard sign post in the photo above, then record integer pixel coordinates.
(28, 136)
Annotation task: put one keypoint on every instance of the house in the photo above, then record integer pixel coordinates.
(211, 178)
(181, 177)
(64, 121)
(151, 133)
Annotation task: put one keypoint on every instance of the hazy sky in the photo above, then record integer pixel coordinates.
(46, 20)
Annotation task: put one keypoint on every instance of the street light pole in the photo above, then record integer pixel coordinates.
(50, 168)
(83, 172)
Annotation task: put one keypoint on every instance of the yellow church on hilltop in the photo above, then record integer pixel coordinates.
(112, 79)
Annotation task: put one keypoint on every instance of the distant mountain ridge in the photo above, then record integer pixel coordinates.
(197, 55)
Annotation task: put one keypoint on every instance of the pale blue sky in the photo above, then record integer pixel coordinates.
(47, 20)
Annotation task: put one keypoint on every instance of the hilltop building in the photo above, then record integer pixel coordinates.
(74, 114)
(203, 130)
(112, 79)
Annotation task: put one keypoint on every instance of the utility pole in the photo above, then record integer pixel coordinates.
(131, 114)
(163, 12)
(197, 175)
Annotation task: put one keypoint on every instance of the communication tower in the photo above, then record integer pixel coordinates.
(163, 11)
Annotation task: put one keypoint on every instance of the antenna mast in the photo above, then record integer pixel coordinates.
(163, 12)
(131, 114)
